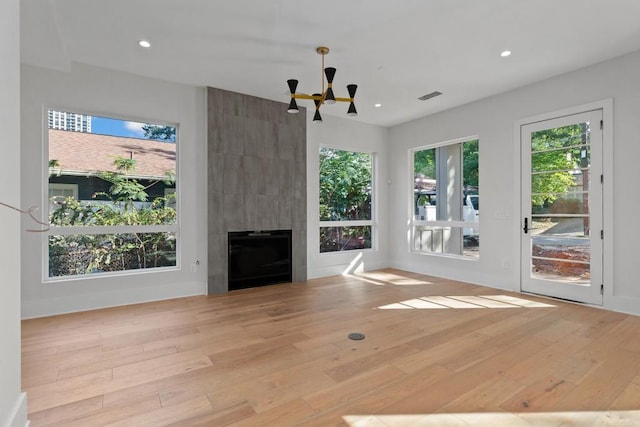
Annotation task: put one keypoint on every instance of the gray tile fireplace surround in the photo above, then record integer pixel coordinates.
(257, 178)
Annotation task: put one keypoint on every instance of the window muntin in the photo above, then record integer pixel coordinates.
(122, 215)
(446, 199)
(346, 202)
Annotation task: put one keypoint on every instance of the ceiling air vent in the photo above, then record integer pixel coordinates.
(430, 95)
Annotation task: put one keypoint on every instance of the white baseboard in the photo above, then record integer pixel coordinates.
(18, 418)
(97, 300)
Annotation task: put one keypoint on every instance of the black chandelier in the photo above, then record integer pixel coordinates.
(326, 97)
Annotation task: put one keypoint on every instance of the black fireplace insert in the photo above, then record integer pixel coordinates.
(258, 258)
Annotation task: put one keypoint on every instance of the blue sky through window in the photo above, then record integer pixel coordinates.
(104, 125)
(114, 127)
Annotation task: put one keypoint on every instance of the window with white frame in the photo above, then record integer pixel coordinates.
(59, 192)
(446, 199)
(346, 202)
(111, 188)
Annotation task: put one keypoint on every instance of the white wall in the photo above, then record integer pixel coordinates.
(493, 120)
(342, 133)
(113, 94)
(13, 409)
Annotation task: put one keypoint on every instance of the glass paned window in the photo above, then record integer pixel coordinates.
(79, 254)
(346, 183)
(112, 188)
(446, 199)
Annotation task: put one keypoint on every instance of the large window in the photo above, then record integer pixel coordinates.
(446, 199)
(346, 182)
(111, 195)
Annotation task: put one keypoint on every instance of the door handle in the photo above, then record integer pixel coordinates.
(526, 226)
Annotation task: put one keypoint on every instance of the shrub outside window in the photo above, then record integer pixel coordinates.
(346, 182)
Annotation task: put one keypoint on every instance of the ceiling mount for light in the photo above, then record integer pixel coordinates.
(327, 96)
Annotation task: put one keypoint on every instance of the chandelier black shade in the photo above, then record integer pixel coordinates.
(327, 96)
(352, 94)
(318, 102)
(293, 106)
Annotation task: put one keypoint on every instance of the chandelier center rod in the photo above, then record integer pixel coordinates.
(322, 50)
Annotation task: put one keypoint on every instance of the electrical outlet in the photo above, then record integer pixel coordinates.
(195, 265)
(505, 263)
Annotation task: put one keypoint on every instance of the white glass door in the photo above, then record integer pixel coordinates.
(562, 207)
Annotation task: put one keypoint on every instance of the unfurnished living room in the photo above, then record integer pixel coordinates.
(259, 213)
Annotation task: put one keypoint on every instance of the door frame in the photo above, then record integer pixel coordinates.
(556, 286)
(606, 105)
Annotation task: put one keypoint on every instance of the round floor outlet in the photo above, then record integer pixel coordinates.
(356, 336)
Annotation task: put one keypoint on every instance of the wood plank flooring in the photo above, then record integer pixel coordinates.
(436, 353)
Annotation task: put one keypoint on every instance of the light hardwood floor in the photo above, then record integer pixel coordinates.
(436, 353)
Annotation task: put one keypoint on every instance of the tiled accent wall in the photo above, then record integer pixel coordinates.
(257, 176)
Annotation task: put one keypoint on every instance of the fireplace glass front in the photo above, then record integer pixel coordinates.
(258, 258)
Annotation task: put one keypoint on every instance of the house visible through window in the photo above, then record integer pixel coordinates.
(63, 191)
(111, 195)
(60, 192)
(446, 199)
(346, 182)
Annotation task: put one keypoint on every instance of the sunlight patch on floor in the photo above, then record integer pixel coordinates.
(547, 419)
(381, 278)
(464, 301)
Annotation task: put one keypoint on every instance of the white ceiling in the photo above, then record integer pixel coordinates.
(395, 50)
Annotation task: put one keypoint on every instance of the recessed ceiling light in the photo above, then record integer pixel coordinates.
(144, 43)
(377, 105)
(505, 53)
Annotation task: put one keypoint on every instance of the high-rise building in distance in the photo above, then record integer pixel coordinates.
(69, 121)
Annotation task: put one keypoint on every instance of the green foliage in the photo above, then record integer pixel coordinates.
(345, 185)
(470, 168)
(54, 167)
(423, 200)
(169, 177)
(345, 194)
(85, 253)
(124, 165)
(124, 190)
(71, 212)
(160, 133)
(89, 253)
(555, 153)
(424, 163)
(333, 239)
